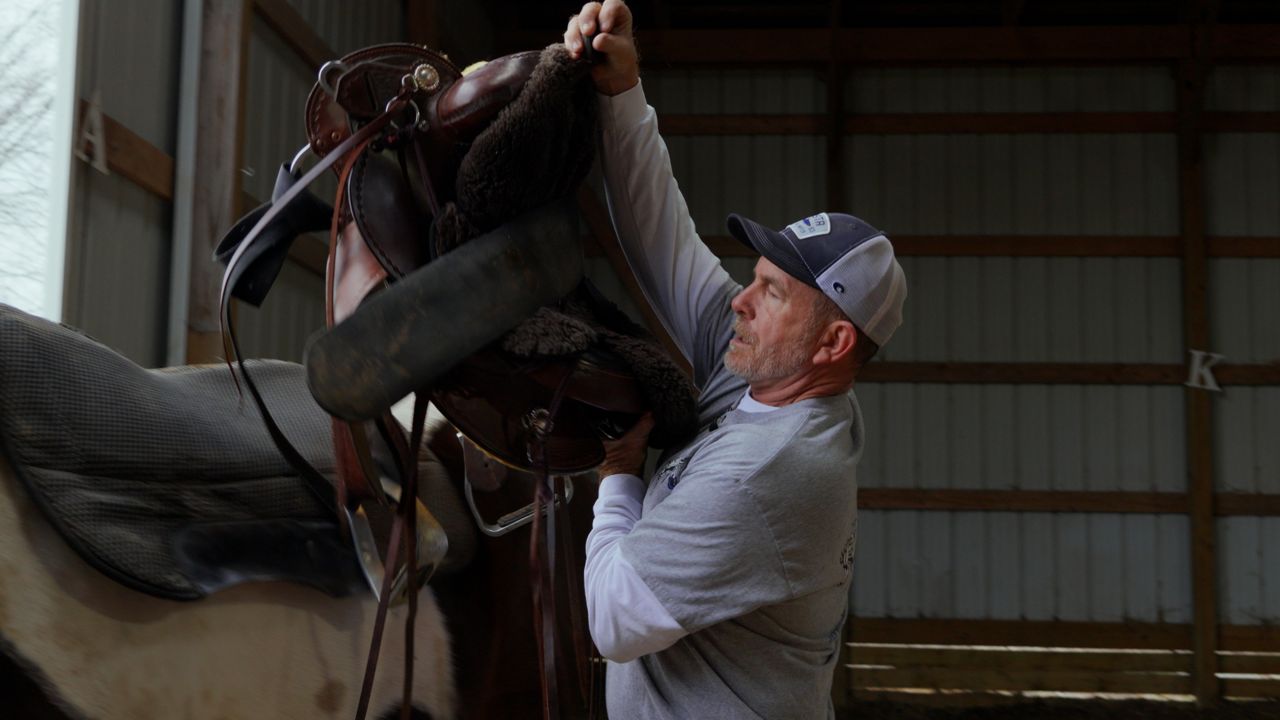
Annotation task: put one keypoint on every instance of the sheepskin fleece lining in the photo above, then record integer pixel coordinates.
(538, 150)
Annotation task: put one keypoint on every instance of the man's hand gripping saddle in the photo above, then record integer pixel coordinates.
(450, 228)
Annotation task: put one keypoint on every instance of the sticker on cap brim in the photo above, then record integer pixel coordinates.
(811, 226)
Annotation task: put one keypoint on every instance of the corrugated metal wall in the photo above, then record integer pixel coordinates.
(1036, 566)
(118, 236)
(1243, 174)
(119, 247)
(278, 84)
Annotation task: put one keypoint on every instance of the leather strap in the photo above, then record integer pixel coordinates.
(543, 559)
(315, 481)
(380, 620)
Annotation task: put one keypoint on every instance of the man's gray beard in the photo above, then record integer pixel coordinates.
(770, 364)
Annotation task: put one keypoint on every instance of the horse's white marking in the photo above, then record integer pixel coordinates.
(257, 651)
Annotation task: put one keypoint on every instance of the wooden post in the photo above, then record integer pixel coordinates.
(1191, 80)
(218, 157)
(842, 694)
(423, 19)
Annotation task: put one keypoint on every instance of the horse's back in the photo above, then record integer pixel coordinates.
(258, 650)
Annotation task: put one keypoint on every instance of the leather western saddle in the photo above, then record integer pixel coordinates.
(434, 254)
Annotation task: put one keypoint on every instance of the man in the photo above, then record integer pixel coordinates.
(718, 589)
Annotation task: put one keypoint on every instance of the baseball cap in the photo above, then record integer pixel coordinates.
(845, 258)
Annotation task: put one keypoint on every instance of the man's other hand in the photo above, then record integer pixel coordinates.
(627, 454)
(610, 23)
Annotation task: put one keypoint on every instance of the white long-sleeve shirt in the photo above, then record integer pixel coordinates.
(718, 587)
(627, 620)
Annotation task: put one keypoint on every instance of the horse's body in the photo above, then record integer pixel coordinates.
(268, 650)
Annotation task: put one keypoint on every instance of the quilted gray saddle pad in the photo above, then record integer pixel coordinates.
(166, 480)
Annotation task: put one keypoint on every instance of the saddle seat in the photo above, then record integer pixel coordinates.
(167, 482)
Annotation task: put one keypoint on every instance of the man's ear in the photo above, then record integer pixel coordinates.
(836, 343)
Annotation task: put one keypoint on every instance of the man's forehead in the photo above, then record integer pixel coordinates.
(768, 271)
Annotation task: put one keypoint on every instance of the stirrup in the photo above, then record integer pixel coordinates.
(515, 519)
(431, 548)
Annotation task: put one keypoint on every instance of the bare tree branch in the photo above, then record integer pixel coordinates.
(27, 77)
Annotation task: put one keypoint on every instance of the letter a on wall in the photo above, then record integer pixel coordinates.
(1202, 370)
(91, 137)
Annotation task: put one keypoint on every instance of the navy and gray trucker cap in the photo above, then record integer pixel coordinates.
(848, 260)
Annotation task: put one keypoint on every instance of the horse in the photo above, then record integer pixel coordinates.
(90, 648)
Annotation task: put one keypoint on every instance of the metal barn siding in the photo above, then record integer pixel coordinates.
(279, 81)
(1243, 199)
(772, 179)
(1071, 566)
(1040, 566)
(293, 311)
(348, 26)
(118, 247)
(775, 180)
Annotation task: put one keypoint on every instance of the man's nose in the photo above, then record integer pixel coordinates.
(741, 303)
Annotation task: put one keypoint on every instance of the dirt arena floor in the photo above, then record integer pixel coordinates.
(1067, 710)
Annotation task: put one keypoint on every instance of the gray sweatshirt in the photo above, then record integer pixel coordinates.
(722, 583)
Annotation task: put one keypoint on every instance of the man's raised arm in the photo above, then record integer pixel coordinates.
(680, 276)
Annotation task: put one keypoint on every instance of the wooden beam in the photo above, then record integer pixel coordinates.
(938, 45)
(1191, 75)
(1035, 246)
(1073, 501)
(296, 32)
(1251, 504)
(1250, 664)
(1002, 658)
(601, 227)
(1064, 123)
(1242, 122)
(218, 158)
(720, 125)
(1251, 688)
(984, 679)
(1057, 633)
(1074, 123)
(1041, 246)
(1244, 247)
(423, 20)
(1032, 633)
(1250, 638)
(134, 159)
(1020, 500)
(1036, 373)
